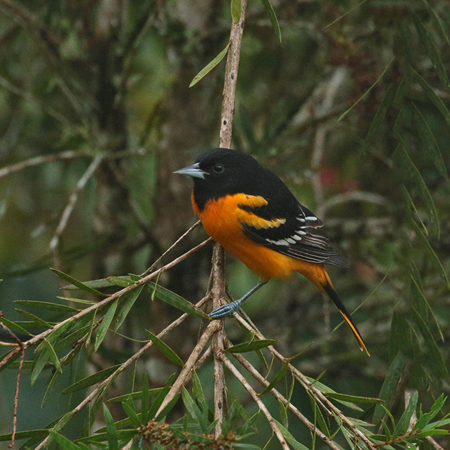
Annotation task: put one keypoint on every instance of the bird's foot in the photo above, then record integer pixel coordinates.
(225, 310)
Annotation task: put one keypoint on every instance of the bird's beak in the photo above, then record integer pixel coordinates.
(193, 171)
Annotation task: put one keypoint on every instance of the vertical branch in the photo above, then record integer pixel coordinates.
(218, 259)
(231, 73)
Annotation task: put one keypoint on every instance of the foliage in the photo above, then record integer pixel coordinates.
(96, 112)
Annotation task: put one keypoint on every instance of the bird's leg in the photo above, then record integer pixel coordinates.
(230, 308)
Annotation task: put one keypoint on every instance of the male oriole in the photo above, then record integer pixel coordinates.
(252, 214)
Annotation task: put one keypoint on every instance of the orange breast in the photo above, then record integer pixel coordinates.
(222, 220)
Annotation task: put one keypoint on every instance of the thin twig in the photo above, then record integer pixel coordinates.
(54, 243)
(105, 301)
(16, 396)
(101, 386)
(218, 294)
(68, 155)
(171, 248)
(230, 82)
(186, 372)
(252, 370)
(318, 395)
(230, 366)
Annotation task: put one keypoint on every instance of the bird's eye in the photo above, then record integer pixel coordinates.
(218, 168)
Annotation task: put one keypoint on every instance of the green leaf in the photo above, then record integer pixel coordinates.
(389, 385)
(104, 326)
(273, 17)
(39, 434)
(437, 20)
(368, 90)
(236, 10)
(93, 284)
(250, 345)
(429, 142)
(13, 326)
(399, 337)
(52, 355)
(431, 253)
(131, 413)
(421, 303)
(278, 376)
(121, 281)
(65, 443)
(39, 322)
(123, 313)
(165, 349)
(289, 438)
(194, 411)
(319, 418)
(353, 398)
(39, 365)
(434, 357)
(209, 66)
(111, 430)
(78, 284)
(415, 175)
(50, 387)
(134, 395)
(405, 419)
(48, 306)
(175, 300)
(145, 402)
(429, 92)
(161, 396)
(77, 300)
(90, 380)
(431, 50)
(424, 419)
(199, 395)
(377, 122)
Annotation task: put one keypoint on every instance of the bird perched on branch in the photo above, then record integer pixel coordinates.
(252, 214)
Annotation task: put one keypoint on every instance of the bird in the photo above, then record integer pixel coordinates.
(253, 215)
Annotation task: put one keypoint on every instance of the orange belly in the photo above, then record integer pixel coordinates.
(221, 220)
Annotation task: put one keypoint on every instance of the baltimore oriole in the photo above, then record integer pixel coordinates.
(253, 214)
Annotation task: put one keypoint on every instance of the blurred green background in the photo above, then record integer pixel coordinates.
(111, 78)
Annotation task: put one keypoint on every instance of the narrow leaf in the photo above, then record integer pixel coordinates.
(175, 300)
(165, 349)
(425, 419)
(161, 396)
(104, 326)
(131, 413)
(434, 355)
(209, 66)
(111, 430)
(120, 281)
(39, 365)
(437, 20)
(65, 443)
(416, 176)
(377, 122)
(194, 411)
(91, 380)
(440, 105)
(368, 90)
(431, 50)
(123, 313)
(39, 322)
(46, 306)
(134, 395)
(353, 398)
(14, 326)
(389, 385)
(236, 10)
(278, 376)
(405, 419)
(80, 285)
(52, 355)
(250, 346)
(273, 17)
(289, 438)
(429, 142)
(431, 253)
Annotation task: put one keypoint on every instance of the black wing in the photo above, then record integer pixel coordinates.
(298, 233)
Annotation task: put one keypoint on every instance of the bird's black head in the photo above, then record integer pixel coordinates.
(221, 172)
